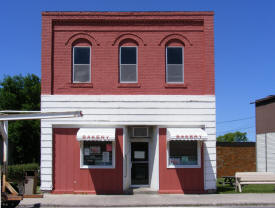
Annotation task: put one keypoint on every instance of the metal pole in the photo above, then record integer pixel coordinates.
(265, 153)
(4, 133)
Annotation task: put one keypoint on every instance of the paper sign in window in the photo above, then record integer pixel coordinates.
(109, 147)
(86, 151)
(95, 149)
(105, 157)
(139, 155)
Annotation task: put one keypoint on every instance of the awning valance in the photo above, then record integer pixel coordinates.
(187, 134)
(96, 134)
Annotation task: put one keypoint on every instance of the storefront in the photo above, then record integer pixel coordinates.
(145, 84)
(114, 160)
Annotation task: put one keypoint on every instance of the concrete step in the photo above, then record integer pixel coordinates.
(140, 190)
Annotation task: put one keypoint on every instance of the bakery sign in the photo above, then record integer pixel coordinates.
(186, 134)
(96, 134)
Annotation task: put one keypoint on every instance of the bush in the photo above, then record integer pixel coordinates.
(16, 173)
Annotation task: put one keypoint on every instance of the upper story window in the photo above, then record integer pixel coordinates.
(174, 65)
(81, 64)
(128, 64)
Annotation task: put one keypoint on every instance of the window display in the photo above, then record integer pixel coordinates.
(183, 153)
(98, 153)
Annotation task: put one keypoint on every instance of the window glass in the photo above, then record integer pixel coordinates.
(81, 64)
(174, 65)
(81, 55)
(128, 55)
(174, 55)
(97, 153)
(128, 64)
(128, 73)
(174, 73)
(82, 73)
(183, 153)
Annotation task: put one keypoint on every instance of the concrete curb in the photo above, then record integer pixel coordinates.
(154, 205)
(151, 200)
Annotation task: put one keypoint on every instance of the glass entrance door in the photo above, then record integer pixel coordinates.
(139, 159)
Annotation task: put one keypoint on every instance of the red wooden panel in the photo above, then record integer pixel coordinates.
(69, 178)
(178, 180)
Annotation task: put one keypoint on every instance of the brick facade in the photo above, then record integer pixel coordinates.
(235, 157)
(105, 32)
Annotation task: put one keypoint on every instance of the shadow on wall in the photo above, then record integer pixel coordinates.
(210, 175)
(192, 179)
(110, 181)
(178, 180)
(152, 153)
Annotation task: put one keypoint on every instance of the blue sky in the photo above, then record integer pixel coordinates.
(244, 46)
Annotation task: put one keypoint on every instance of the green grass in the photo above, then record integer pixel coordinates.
(227, 189)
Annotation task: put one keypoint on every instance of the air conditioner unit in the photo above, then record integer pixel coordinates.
(140, 131)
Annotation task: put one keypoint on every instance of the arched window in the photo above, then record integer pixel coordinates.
(128, 62)
(174, 62)
(81, 62)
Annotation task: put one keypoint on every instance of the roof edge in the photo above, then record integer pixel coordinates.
(127, 13)
(265, 99)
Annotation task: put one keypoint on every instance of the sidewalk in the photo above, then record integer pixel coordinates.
(140, 200)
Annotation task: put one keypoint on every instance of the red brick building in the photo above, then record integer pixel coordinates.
(235, 157)
(145, 84)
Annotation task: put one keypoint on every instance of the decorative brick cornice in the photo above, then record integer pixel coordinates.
(85, 36)
(124, 36)
(174, 36)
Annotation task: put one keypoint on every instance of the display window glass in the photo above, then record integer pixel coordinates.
(183, 153)
(97, 154)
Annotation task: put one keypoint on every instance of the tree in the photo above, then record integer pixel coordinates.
(233, 137)
(22, 93)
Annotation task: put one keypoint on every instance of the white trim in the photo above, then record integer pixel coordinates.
(166, 64)
(113, 166)
(183, 166)
(90, 55)
(129, 98)
(128, 64)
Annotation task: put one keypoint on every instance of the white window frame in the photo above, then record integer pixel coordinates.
(182, 48)
(113, 166)
(199, 144)
(82, 64)
(128, 64)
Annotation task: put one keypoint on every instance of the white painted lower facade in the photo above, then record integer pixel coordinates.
(157, 111)
(265, 152)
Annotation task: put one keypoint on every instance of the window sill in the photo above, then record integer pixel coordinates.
(96, 167)
(128, 85)
(182, 166)
(81, 85)
(175, 85)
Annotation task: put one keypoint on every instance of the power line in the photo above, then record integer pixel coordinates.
(240, 119)
(250, 127)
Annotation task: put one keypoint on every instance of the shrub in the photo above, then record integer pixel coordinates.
(16, 173)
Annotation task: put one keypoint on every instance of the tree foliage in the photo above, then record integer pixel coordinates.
(233, 137)
(22, 93)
